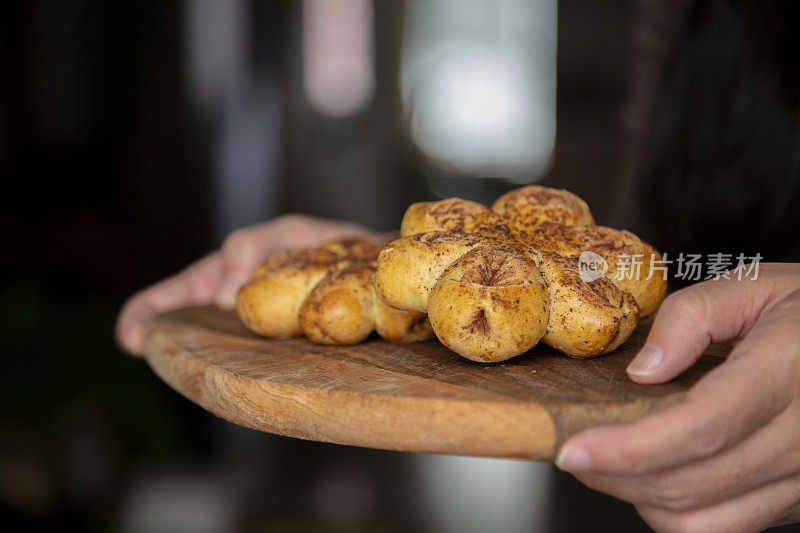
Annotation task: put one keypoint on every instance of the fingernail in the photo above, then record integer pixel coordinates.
(646, 363)
(574, 459)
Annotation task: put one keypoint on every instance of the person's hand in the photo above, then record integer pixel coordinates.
(727, 457)
(218, 276)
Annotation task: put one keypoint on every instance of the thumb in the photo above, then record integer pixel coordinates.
(242, 252)
(245, 249)
(711, 311)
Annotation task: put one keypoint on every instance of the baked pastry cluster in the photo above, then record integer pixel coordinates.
(495, 282)
(327, 294)
(490, 283)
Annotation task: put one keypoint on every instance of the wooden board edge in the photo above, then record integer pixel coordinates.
(513, 429)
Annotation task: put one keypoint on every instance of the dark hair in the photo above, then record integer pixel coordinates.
(720, 171)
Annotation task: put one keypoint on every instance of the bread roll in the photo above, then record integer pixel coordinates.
(326, 293)
(339, 308)
(453, 215)
(270, 303)
(490, 305)
(410, 266)
(586, 318)
(628, 257)
(525, 208)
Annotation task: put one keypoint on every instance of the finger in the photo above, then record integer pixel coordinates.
(766, 506)
(242, 251)
(689, 320)
(756, 383)
(245, 249)
(767, 456)
(195, 285)
(713, 311)
(341, 230)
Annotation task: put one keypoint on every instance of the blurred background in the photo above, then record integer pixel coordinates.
(135, 135)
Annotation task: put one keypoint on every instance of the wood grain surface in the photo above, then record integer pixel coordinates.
(410, 397)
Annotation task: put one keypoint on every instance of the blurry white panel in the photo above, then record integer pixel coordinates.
(478, 84)
(338, 73)
(466, 494)
(215, 44)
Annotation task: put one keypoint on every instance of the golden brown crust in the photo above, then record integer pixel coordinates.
(627, 256)
(586, 318)
(493, 282)
(490, 305)
(446, 264)
(325, 293)
(339, 308)
(269, 304)
(327, 255)
(410, 266)
(527, 207)
(453, 215)
(395, 325)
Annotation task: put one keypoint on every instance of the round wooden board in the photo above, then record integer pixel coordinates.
(411, 397)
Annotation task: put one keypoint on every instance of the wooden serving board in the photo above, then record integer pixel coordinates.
(410, 397)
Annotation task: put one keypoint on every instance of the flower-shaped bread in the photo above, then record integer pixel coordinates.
(327, 294)
(496, 281)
